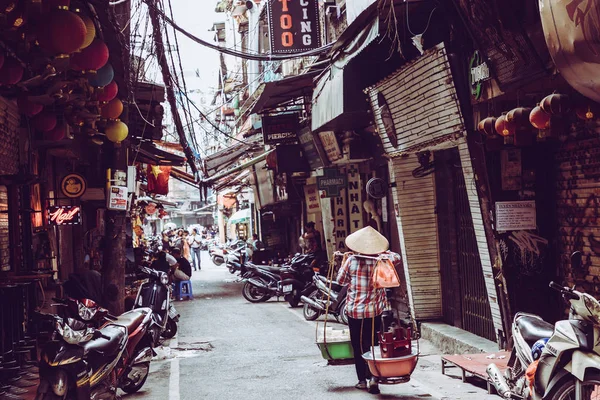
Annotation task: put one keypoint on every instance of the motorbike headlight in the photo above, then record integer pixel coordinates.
(59, 384)
(164, 279)
(74, 336)
(593, 306)
(86, 313)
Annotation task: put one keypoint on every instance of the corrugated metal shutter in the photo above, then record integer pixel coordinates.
(417, 223)
(4, 232)
(578, 203)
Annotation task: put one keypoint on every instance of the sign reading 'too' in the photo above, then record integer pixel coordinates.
(294, 25)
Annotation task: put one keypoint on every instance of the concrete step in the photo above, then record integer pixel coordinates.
(452, 340)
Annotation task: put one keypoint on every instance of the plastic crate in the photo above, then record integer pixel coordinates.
(336, 350)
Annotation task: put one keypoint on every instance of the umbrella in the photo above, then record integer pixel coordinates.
(240, 217)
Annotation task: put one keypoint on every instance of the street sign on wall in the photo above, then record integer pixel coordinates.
(332, 182)
(309, 148)
(294, 25)
(64, 215)
(279, 129)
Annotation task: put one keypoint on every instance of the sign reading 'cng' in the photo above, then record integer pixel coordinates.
(294, 25)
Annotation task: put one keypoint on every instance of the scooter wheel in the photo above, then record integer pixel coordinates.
(254, 294)
(170, 329)
(310, 313)
(218, 260)
(132, 387)
(232, 270)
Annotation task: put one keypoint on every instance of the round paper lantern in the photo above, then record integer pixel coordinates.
(109, 92)
(44, 121)
(487, 126)
(11, 72)
(90, 30)
(555, 103)
(518, 116)
(539, 118)
(116, 131)
(103, 76)
(27, 107)
(62, 32)
(92, 58)
(503, 127)
(150, 208)
(56, 134)
(112, 110)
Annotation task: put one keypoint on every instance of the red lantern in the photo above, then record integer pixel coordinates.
(555, 104)
(27, 107)
(503, 127)
(56, 134)
(487, 126)
(92, 58)
(109, 92)
(539, 118)
(518, 116)
(11, 72)
(112, 110)
(44, 121)
(62, 32)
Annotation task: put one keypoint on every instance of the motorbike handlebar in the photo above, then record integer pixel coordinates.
(566, 292)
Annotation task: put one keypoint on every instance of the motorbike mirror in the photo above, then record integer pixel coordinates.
(576, 260)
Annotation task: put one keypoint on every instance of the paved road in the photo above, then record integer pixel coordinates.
(228, 348)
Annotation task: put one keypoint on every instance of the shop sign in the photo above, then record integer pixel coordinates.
(117, 198)
(309, 148)
(313, 200)
(294, 25)
(479, 72)
(64, 215)
(330, 145)
(377, 188)
(355, 201)
(280, 129)
(512, 170)
(332, 182)
(340, 211)
(73, 186)
(515, 215)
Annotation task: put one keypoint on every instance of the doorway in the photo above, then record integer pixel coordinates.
(465, 302)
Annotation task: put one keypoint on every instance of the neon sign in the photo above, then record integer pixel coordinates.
(64, 215)
(294, 25)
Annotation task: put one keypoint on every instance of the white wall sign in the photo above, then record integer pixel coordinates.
(515, 215)
(330, 145)
(313, 201)
(355, 200)
(117, 198)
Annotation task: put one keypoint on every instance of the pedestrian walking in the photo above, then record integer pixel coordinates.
(364, 302)
(195, 242)
(185, 249)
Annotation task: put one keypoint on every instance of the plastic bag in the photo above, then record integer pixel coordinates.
(385, 275)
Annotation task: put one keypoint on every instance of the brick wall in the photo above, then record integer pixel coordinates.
(423, 103)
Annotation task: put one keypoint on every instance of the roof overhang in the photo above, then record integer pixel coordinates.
(147, 152)
(284, 92)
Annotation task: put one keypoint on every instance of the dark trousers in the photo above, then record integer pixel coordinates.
(195, 257)
(355, 326)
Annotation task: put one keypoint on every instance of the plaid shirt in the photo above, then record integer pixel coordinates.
(363, 300)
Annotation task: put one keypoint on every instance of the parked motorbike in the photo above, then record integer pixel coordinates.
(83, 362)
(155, 293)
(235, 260)
(296, 277)
(261, 282)
(564, 359)
(315, 304)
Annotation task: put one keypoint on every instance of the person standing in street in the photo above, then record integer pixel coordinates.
(185, 246)
(364, 303)
(195, 242)
(311, 238)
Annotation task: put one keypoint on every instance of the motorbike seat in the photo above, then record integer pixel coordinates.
(274, 270)
(132, 319)
(335, 285)
(534, 329)
(116, 336)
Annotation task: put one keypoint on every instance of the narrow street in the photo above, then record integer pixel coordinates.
(228, 348)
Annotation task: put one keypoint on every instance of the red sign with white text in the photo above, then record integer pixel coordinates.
(64, 215)
(294, 25)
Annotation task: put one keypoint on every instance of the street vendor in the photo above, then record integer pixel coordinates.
(364, 303)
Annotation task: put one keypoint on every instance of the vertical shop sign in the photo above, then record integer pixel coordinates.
(313, 201)
(330, 145)
(355, 198)
(340, 212)
(294, 25)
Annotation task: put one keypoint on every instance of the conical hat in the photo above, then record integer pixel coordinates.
(367, 241)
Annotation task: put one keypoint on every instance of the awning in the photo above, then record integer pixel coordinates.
(231, 180)
(212, 179)
(283, 91)
(329, 98)
(184, 177)
(224, 158)
(240, 217)
(147, 152)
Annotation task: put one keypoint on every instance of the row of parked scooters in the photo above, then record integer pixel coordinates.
(303, 278)
(92, 353)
